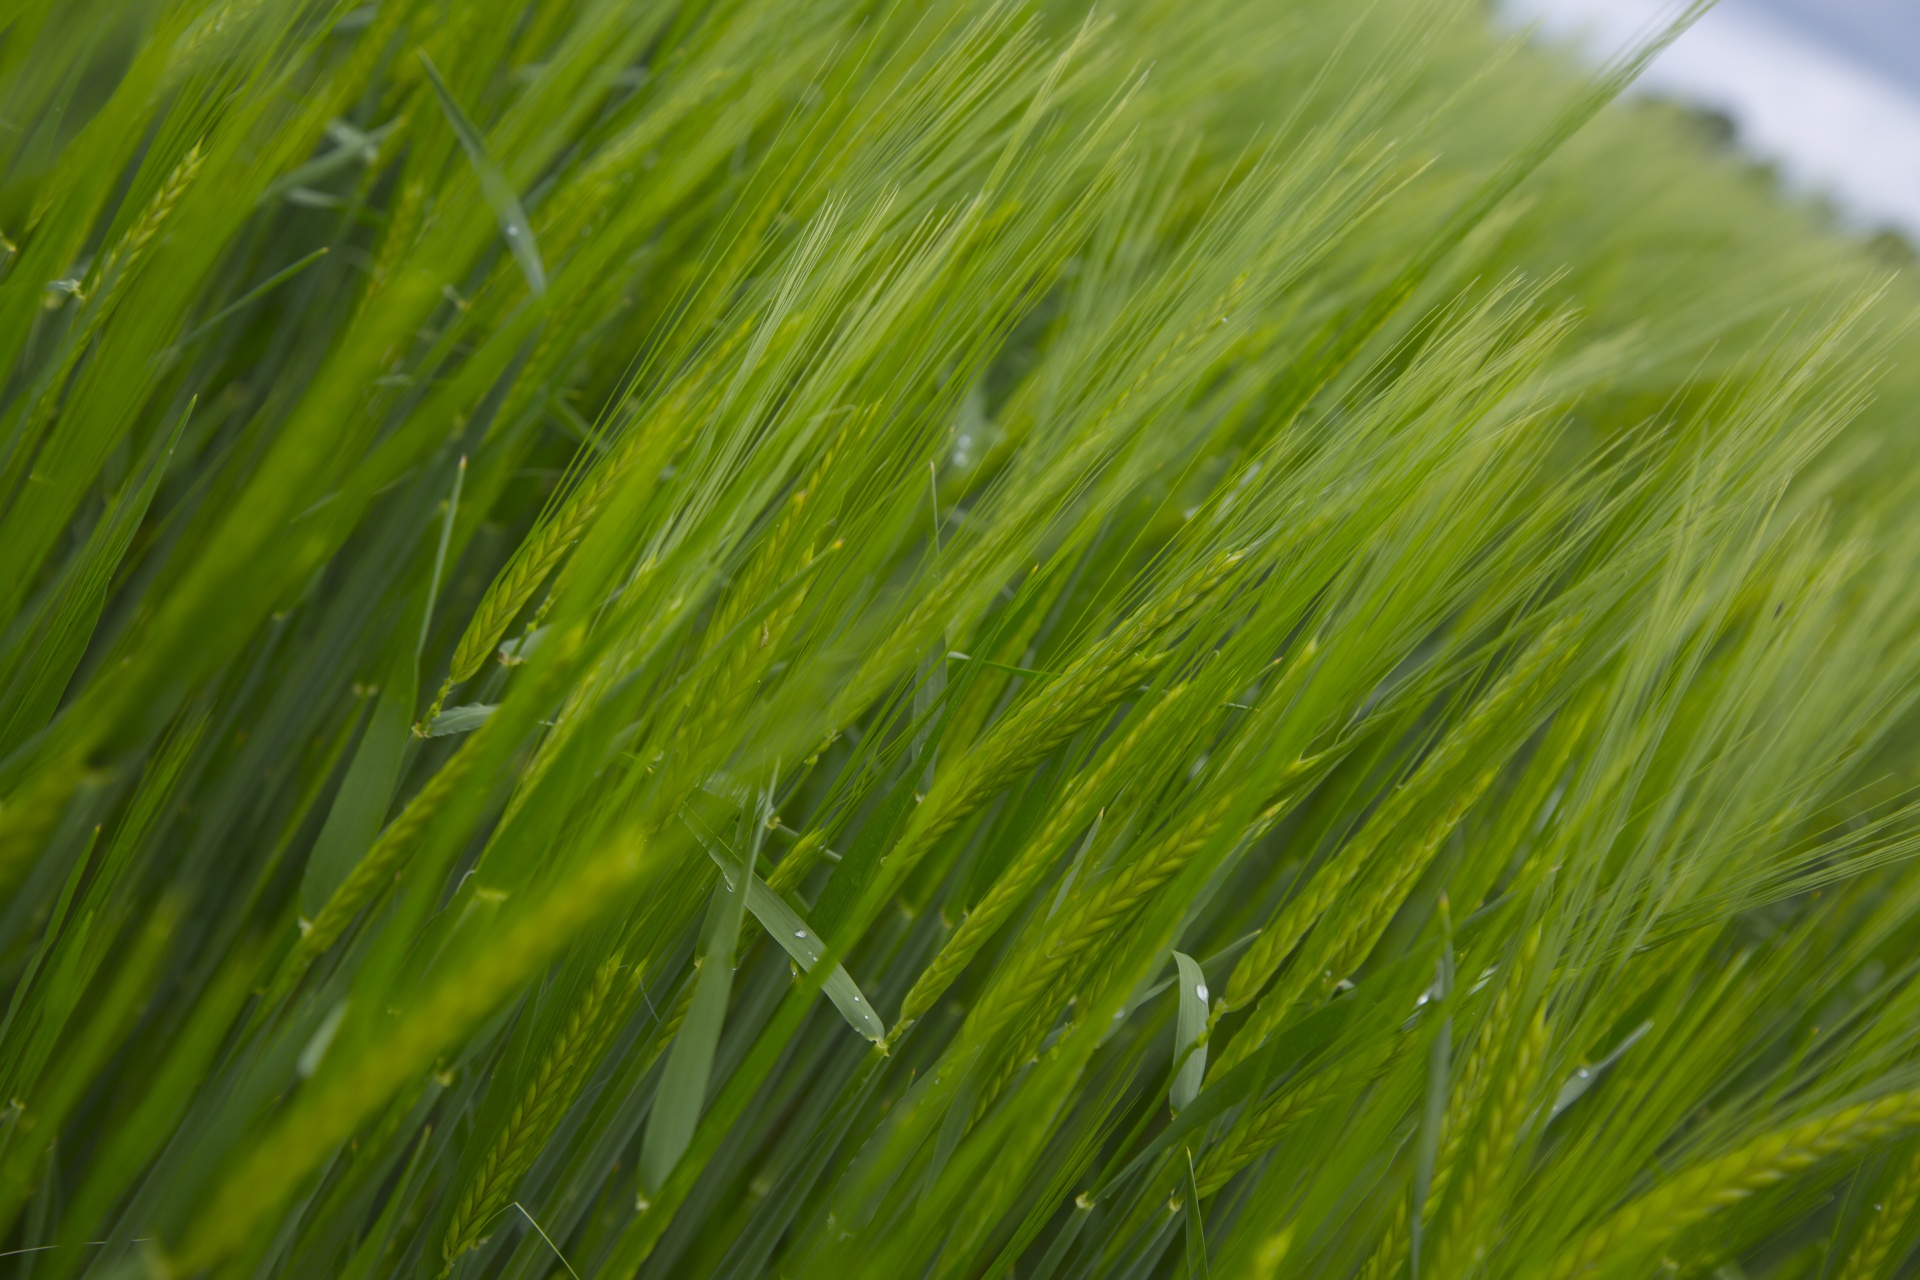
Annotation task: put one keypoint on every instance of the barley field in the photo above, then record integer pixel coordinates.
(942, 638)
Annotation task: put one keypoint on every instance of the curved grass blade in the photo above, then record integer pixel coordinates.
(683, 1084)
(353, 146)
(464, 719)
(37, 663)
(1196, 1225)
(1583, 1078)
(251, 296)
(440, 557)
(797, 938)
(367, 790)
(1189, 1035)
(494, 186)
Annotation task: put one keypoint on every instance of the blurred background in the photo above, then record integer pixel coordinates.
(1825, 91)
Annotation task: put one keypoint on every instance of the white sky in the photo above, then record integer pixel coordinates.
(1829, 121)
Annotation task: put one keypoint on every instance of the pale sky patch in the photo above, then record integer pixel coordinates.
(1828, 119)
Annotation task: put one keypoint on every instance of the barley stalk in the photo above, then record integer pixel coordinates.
(726, 692)
(1462, 1104)
(1375, 910)
(1392, 1249)
(116, 265)
(1022, 1051)
(1106, 909)
(1477, 1074)
(403, 225)
(532, 561)
(733, 684)
(1028, 737)
(776, 551)
(1051, 703)
(124, 256)
(208, 29)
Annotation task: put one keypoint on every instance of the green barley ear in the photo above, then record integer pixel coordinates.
(1332, 953)
(1461, 1243)
(532, 562)
(535, 558)
(1889, 1225)
(1698, 1193)
(1261, 1126)
(1478, 1075)
(125, 255)
(555, 1081)
(1021, 741)
(1013, 884)
(1546, 657)
(1087, 922)
(1469, 1093)
(381, 866)
(802, 857)
(1117, 666)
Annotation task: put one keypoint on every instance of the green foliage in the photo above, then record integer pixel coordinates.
(811, 638)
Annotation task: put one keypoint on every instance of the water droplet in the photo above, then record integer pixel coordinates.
(799, 933)
(1201, 991)
(513, 231)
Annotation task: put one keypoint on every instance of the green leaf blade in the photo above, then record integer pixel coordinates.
(498, 191)
(1189, 1035)
(684, 1082)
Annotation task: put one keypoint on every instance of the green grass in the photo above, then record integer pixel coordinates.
(823, 639)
